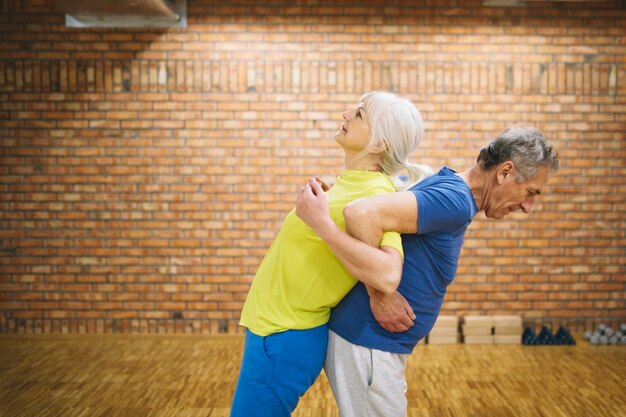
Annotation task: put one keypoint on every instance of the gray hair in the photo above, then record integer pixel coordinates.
(396, 122)
(526, 147)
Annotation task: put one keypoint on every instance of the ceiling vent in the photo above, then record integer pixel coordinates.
(125, 13)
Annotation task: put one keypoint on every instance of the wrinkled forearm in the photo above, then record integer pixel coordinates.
(379, 268)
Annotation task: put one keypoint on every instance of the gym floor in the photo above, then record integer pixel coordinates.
(186, 375)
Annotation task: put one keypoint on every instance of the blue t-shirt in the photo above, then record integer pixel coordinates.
(431, 257)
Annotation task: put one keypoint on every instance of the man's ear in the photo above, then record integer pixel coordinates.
(505, 170)
(379, 147)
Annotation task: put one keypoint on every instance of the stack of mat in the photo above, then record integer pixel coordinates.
(507, 330)
(445, 331)
(477, 330)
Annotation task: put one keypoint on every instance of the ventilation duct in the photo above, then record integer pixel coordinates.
(125, 13)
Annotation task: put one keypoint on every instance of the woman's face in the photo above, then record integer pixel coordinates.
(354, 134)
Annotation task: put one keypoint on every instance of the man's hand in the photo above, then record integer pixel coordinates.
(312, 205)
(392, 311)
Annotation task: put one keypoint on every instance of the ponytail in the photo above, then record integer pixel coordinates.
(415, 174)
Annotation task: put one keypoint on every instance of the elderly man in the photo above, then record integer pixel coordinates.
(372, 333)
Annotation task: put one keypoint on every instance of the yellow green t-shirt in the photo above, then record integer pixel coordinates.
(300, 278)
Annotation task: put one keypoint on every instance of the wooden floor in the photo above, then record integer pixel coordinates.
(189, 376)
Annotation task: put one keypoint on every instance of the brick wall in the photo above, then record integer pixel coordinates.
(144, 172)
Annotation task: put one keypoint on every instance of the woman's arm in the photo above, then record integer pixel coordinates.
(379, 268)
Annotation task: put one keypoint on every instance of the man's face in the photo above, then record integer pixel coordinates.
(509, 196)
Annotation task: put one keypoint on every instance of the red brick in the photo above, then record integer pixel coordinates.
(141, 175)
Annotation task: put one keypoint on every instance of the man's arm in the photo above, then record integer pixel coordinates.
(370, 217)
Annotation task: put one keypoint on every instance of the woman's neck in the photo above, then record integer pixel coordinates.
(366, 162)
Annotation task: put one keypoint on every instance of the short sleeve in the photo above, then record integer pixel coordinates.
(393, 240)
(443, 207)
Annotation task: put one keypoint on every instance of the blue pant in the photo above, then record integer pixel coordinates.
(277, 370)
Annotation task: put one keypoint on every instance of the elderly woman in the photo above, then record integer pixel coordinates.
(288, 307)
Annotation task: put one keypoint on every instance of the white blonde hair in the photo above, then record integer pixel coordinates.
(398, 124)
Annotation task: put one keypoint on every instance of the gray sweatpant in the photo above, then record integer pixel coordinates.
(365, 382)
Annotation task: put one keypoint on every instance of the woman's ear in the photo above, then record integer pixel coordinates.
(379, 147)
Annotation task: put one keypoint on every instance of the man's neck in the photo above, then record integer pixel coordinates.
(475, 179)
